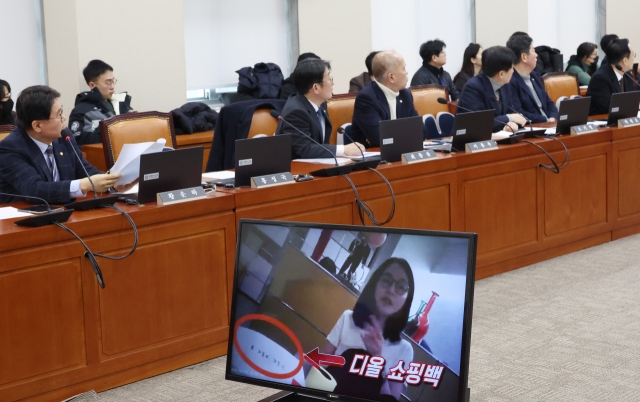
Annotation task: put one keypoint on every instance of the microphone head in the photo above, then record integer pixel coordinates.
(275, 114)
(340, 130)
(67, 138)
(619, 67)
(442, 101)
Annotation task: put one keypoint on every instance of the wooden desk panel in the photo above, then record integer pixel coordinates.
(160, 310)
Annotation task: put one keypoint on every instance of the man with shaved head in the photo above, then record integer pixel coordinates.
(387, 98)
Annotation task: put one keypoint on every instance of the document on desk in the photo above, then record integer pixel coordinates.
(128, 163)
(325, 161)
(11, 212)
(220, 175)
(366, 155)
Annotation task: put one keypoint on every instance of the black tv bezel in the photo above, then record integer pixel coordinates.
(467, 315)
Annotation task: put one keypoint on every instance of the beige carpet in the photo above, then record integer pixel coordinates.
(566, 330)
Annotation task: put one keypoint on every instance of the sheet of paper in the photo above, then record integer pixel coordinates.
(128, 163)
(11, 212)
(599, 122)
(325, 161)
(221, 175)
(366, 155)
(500, 135)
(551, 131)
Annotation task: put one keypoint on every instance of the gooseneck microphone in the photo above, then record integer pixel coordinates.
(326, 172)
(85, 205)
(443, 101)
(514, 111)
(43, 219)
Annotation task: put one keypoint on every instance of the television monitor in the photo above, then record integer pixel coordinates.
(351, 313)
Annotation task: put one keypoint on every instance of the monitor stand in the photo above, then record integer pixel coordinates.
(286, 396)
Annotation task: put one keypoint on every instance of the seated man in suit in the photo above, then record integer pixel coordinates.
(306, 111)
(433, 59)
(530, 97)
(490, 89)
(98, 104)
(36, 159)
(611, 78)
(386, 98)
(362, 80)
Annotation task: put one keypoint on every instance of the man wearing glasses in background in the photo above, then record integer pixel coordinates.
(37, 160)
(98, 104)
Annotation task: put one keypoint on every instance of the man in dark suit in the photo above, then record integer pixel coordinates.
(609, 79)
(530, 97)
(36, 160)
(362, 80)
(386, 98)
(360, 250)
(490, 89)
(307, 111)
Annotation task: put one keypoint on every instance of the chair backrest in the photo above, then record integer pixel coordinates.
(340, 110)
(561, 84)
(5, 130)
(425, 98)
(132, 128)
(262, 123)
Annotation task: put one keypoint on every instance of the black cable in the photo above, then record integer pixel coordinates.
(567, 158)
(88, 254)
(135, 234)
(555, 169)
(364, 207)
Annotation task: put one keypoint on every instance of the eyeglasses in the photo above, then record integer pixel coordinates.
(401, 285)
(111, 82)
(60, 117)
(330, 79)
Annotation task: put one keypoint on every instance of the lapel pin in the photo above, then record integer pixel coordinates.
(61, 154)
(400, 100)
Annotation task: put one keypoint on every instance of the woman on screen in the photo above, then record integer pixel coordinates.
(373, 328)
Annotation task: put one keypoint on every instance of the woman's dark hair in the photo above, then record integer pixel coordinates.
(585, 50)
(469, 53)
(309, 72)
(4, 84)
(366, 302)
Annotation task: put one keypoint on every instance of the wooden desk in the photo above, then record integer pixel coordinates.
(164, 307)
(95, 152)
(521, 212)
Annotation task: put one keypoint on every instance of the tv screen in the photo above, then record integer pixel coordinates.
(352, 313)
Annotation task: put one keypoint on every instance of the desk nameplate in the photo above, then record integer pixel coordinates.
(420, 156)
(272, 180)
(179, 196)
(481, 146)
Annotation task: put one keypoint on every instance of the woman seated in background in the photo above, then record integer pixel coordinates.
(584, 63)
(6, 104)
(471, 65)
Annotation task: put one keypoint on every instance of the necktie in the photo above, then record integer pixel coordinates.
(622, 84)
(52, 163)
(320, 119)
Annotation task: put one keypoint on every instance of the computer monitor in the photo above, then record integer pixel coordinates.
(262, 156)
(167, 171)
(623, 106)
(572, 112)
(352, 313)
(400, 136)
(472, 127)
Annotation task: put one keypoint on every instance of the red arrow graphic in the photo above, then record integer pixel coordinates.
(316, 359)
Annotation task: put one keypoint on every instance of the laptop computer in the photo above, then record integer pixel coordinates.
(400, 136)
(623, 105)
(166, 171)
(572, 112)
(472, 127)
(259, 157)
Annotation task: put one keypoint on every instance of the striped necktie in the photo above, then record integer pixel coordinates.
(51, 162)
